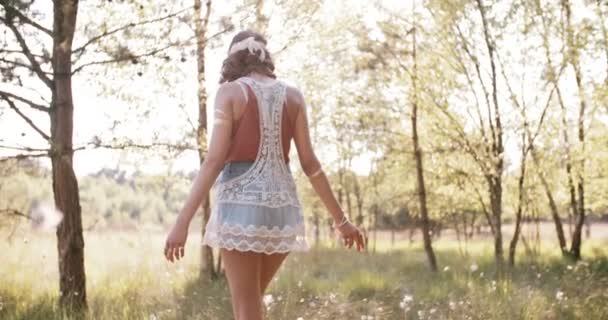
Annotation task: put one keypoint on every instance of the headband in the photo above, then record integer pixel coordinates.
(250, 44)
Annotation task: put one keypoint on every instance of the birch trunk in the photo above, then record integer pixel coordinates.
(70, 242)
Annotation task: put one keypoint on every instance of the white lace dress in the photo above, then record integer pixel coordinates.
(258, 209)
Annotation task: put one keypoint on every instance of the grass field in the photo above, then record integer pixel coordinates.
(127, 278)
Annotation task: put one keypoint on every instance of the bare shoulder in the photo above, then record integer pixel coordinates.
(295, 98)
(230, 92)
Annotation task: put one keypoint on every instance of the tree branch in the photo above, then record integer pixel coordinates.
(26, 101)
(10, 10)
(21, 51)
(15, 213)
(82, 48)
(127, 57)
(295, 37)
(462, 134)
(21, 64)
(133, 145)
(24, 156)
(145, 54)
(28, 120)
(28, 54)
(482, 83)
(22, 148)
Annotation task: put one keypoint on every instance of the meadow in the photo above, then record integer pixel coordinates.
(127, 278)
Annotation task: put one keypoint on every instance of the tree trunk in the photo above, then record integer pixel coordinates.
(70, 242)
(520, 199)
(375, 226)
(571, 188)
(359, 201)
(496, 207)
(426, 235)
(456, 223)
(573, 55)
(600, 14)
(315, 217)
(200, 26)
(497, 148)
(349, 207)
(553, 77)
(261, 21)
(559, 230)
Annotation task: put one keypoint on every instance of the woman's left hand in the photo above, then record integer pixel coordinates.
(352, 235)
(176, 240)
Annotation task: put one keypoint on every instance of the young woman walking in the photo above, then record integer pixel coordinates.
(256, 219)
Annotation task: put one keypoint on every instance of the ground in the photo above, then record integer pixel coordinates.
(128, 278)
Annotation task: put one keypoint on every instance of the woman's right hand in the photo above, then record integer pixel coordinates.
(351, 235)
(176, 241)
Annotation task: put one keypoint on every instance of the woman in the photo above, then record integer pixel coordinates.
(256, 219)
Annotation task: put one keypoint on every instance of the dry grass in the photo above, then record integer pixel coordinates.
(127, 278)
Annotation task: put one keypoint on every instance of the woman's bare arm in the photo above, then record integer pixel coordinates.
(313, 169)
(218, 150)
(308, 159)
(227, 96)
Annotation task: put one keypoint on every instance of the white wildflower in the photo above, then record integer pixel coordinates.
(405, 302)
(332, 297)
(474, 267)
(268, 300)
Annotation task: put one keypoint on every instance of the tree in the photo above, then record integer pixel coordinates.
(58, 81)
(200, 28)
(424, 214)
(33, 66)
(461, 23)
(573, 57)
(557, 27)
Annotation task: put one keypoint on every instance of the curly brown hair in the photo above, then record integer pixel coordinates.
(242, 62)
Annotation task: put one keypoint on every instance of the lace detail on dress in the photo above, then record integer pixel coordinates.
(259, 238)
(262, 245)
(259, 231)
(267, 183)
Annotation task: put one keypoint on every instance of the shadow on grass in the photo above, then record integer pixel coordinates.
(205, 299)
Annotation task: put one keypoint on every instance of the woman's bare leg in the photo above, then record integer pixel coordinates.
(243, 271)
(270, 266)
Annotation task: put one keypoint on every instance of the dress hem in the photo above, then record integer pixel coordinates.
(303, 247)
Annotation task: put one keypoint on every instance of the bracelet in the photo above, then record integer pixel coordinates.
(316, 173)
(343, 221)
